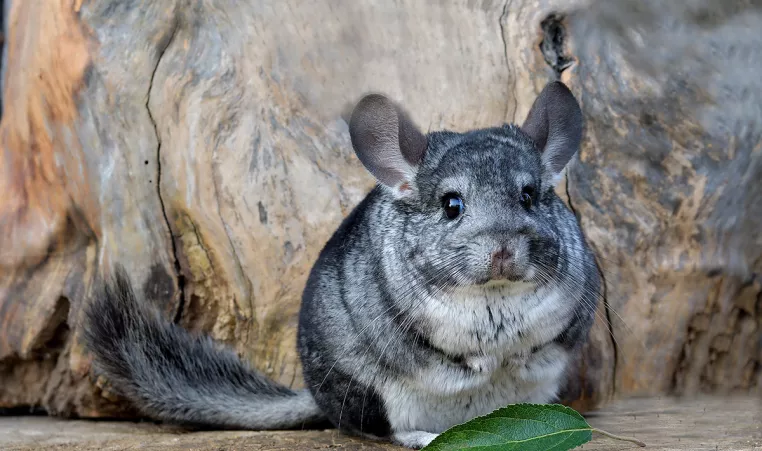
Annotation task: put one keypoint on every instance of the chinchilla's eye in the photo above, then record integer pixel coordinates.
(453, 205)
(527, 196)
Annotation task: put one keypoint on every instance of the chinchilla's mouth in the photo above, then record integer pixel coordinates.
(502, 280)
(503, 285)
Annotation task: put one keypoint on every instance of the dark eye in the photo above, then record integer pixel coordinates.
(453, 205)
(527, 196)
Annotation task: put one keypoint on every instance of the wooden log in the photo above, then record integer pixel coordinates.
(204, 146)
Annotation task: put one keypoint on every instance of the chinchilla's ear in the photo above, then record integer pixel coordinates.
(555, 125)
(387, 142)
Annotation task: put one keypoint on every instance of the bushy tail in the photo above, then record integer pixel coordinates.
(174, 376)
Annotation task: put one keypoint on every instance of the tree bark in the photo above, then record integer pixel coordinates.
(204, 146)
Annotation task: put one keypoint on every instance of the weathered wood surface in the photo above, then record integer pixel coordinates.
(703, 424)
(202, 144)
(668, 189)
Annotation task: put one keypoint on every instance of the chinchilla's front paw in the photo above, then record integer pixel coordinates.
(413, 439)
(482, 363)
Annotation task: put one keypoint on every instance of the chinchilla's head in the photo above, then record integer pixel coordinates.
(476, 207)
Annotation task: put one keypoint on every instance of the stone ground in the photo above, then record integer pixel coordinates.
(711, 424)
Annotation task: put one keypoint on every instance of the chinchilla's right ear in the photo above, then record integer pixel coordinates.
(387, 143)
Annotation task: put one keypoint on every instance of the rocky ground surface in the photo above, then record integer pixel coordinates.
(711, 424)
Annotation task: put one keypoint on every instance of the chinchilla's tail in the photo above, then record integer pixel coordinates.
(174, 376)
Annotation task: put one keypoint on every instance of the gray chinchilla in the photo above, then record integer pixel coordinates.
(460, 284)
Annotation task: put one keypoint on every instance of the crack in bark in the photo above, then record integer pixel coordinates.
(4, 9)
(604, 294)
(200, 243)
(236, 258)
(607, 311)
(178, 268)
(553, 50)
(501, 23)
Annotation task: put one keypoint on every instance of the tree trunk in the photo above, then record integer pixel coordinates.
(204, 146)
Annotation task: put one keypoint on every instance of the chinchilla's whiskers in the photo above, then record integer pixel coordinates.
(411, 291)
(563, 284)
(410, 320)
(610, 288)
(570, 253)
(371, 343)
(568, 258)
(406, 324)
(600, 257)
(434, 280)
(566, 279)
(569, 285)
(546, 276)
(372, 322)
(547, 279)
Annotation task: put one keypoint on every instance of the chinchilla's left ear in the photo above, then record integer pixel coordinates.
(555, 125)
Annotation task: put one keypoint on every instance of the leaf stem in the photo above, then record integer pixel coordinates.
(620, 437)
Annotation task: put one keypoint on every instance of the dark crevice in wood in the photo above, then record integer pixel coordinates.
(54, 335)
(4, 5)
(609, 324)
(604, 284)
(554, 42)
(501, 22)
(569, 198)
(553, 48)
(603, 294)
(674, 386)
(178, 268)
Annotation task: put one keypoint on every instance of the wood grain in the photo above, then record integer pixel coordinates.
(664, 424)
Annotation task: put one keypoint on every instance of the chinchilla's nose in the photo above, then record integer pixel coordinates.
(502, 259)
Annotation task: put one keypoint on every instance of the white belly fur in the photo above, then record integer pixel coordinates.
(440, 396)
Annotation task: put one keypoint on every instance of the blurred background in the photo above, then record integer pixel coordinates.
(203, 144)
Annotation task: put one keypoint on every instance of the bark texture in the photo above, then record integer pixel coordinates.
(204, 146)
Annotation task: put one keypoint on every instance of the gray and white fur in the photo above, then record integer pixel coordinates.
(460, 284)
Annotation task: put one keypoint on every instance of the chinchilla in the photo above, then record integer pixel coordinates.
(460, 284)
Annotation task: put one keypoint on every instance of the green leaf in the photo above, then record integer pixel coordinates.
(520, 427)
